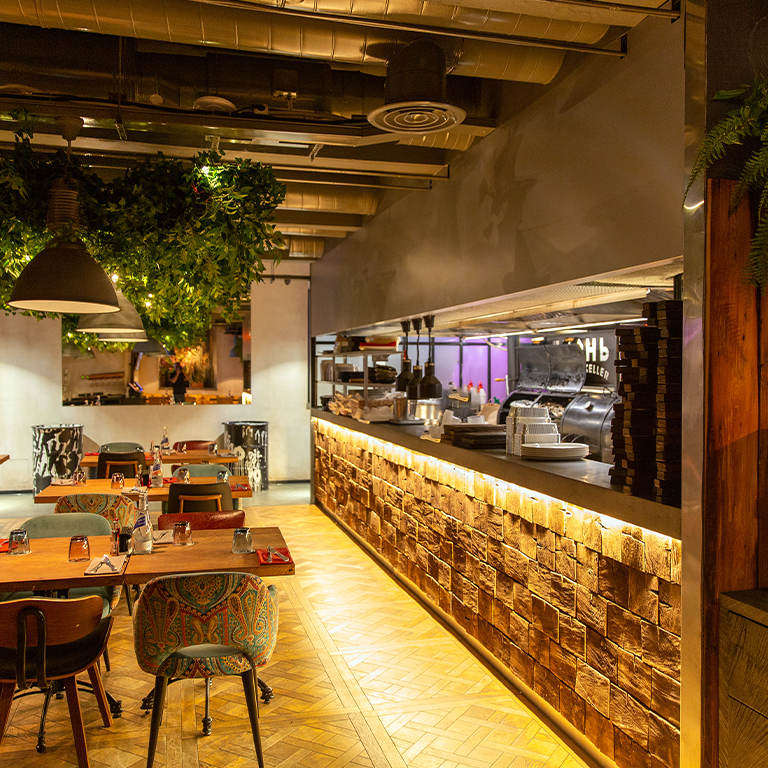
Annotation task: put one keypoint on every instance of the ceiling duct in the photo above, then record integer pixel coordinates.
(415, 92)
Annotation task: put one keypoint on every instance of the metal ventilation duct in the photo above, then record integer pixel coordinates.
(415, 93)
(195, 23)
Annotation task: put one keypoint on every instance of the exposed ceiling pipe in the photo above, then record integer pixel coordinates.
(177, 21)
(311, 197)
(447, 16)
(304, 247)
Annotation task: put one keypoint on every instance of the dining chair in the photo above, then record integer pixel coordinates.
(115, 508)
(44, 640)
(199, 497)
(235, 613)
(192, 445)
(202, 470)
(121, 447)
(130, 464)
(204, 521)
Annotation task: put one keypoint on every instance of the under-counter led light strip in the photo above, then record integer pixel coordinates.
(539, 331)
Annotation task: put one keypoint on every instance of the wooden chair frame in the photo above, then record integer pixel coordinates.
(208, 497)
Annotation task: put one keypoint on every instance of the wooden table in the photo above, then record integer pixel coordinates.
(190, 457)
(4, 457)
(45, 568)
(212, 551)
(53, 493)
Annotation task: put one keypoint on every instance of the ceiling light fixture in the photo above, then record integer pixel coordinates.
(64, 277)
(123, 337)
(126, 321)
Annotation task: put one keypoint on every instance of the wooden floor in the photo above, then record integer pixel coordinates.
(363, 676)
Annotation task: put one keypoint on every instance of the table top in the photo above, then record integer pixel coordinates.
(4, 457)
(211, 551)
(53, 493)
(189, 457)
(46, 567)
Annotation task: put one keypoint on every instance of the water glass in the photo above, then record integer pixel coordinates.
(242, 543)
(79, 549)
(213, 449)
(184, 448)
(78, 478)
(18, 542)
(222, 476)
(183, 475)
(118, 480)
(182, 534)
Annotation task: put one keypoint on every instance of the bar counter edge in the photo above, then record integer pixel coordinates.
(583, 483)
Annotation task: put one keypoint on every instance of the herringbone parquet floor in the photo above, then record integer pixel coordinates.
(363, 677)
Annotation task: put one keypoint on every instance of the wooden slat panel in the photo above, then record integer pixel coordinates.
(731, 431)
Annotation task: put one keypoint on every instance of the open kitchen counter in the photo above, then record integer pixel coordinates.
(583, 483)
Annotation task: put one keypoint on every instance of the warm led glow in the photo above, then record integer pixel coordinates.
(486, 488)
(115, 277)
(694, 206)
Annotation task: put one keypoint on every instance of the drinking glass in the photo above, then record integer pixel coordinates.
(222, 476)
(184, 448)
(78, 478)
(79, 550)
(18, 542)
(118, 480)
(242, 543)
(183, 475)
(182, 534)
(213, 449)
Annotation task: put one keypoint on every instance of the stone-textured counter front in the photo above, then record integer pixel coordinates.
(581, 608)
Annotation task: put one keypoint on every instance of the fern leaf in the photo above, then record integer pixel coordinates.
(753, 176)
(757, 269)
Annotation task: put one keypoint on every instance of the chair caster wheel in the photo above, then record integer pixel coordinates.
(40, 746)
(207, 726)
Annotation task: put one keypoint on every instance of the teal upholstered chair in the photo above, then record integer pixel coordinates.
(75, 524)
(121, 447)
(202, 470)
(203, 625)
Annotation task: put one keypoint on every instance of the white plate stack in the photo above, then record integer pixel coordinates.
(554, 451)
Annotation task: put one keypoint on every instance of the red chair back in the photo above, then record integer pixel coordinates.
(204, 521)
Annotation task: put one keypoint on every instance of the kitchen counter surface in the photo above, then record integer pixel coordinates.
(583, 482)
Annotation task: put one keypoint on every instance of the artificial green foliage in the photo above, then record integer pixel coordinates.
(747, 123)
(183, 239)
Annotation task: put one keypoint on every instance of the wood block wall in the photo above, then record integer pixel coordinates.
(583, 609)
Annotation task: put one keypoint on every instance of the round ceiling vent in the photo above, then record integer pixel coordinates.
(415, 92)
(416, 117)
(214, 104)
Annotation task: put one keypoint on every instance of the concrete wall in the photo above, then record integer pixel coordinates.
(30, 391)
(586, 180)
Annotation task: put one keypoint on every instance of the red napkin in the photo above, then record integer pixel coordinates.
(92, 453)
(241, 487)
(3, 545)
(168, 480)
(264, 555)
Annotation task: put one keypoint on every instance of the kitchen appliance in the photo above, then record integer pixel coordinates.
(401, 382)
(552, 376)
(430, 387)
(413, 385)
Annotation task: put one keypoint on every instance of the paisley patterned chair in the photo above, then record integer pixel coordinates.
(203, 625)
(111, 506)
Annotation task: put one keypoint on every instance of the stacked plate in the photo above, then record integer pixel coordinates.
(554, 451)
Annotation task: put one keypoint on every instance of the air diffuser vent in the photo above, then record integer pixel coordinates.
(415, 93)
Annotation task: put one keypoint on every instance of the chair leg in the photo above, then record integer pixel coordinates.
(100, 694)
(6, 699)
(207, 720)
(107, 665)
(161, 685)
(129, 599)
(249, 688)
(76, 716)
(54, 687)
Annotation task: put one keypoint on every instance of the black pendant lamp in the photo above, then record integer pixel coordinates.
(430, 387)
(405, 375)
(125, 321)
(64, 277)
(412, 389)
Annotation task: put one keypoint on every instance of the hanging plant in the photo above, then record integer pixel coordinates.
(181, 239)
(748, 123)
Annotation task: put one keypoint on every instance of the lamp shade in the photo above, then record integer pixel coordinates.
(151, 348)
(126, 321)
(64, 277)
(126, 337)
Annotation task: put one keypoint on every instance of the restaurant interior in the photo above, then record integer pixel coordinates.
(436, 328)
